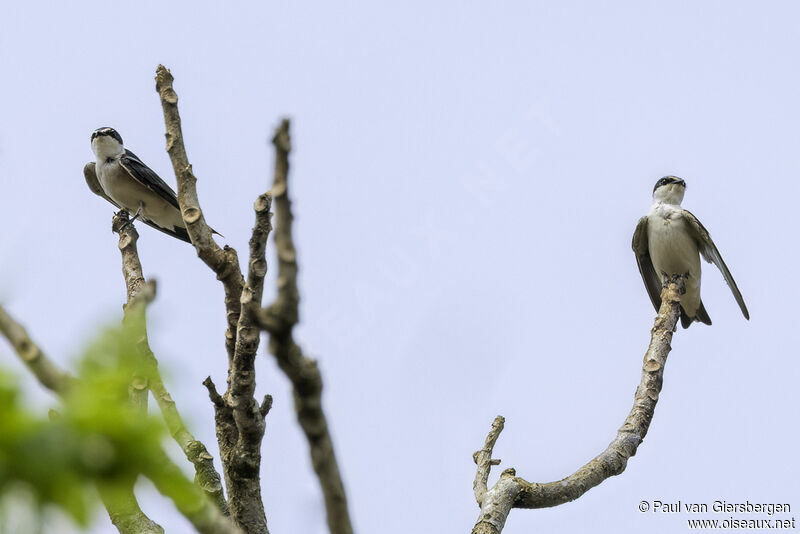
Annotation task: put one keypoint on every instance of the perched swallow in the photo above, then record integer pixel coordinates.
(123, 179)
(668, 241)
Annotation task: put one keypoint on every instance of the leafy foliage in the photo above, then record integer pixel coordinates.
(97, 435)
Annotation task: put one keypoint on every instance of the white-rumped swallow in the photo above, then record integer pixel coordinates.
(670, 240)
(123, 179)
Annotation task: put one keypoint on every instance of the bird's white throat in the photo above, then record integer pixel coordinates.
(669, 194)
(105, 146)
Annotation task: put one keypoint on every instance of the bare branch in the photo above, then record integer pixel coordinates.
(45, 371)
(238, 418)
(512, 491)
(258, 245)
(241, 391)
(288, 300)
(224, 262)
(483, 458)
(212, 392)
(139, 294)
(279, 320)
(497, 503)
(244, 458)
(137, 289)
(266, 405)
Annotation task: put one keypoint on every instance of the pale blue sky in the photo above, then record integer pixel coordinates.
(466, 177)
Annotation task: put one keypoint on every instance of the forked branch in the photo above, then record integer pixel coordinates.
(238, 416)
(512, 491)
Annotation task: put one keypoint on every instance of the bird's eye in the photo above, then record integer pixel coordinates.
(109, 160)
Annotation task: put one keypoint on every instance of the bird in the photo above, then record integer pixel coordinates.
(669, 241)
(119, 176)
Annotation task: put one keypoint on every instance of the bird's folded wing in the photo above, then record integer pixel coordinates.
(147, 177)
(710, 253)
(90, 174)
(651, 279)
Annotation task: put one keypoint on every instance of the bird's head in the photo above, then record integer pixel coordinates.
(106, 143)
(669, 190)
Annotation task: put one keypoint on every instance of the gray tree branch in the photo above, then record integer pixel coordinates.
(483, 458)
(279, 320)
(239, 418)
(140, 293)
(245, 454)
(223, 261)
(512, 491)
(45, 371)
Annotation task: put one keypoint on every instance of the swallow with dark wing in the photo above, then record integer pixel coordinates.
(670, 240)
(124, 180)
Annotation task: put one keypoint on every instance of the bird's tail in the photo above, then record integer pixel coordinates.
(700, 316)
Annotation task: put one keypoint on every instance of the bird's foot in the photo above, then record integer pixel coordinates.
(680, 279)
(667, 279)
(130, 221)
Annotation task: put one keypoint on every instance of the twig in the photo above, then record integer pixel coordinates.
(483, 458)
(278, 320)
(140, 293)
(215, 397)
(512, 491)
(266, 405)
